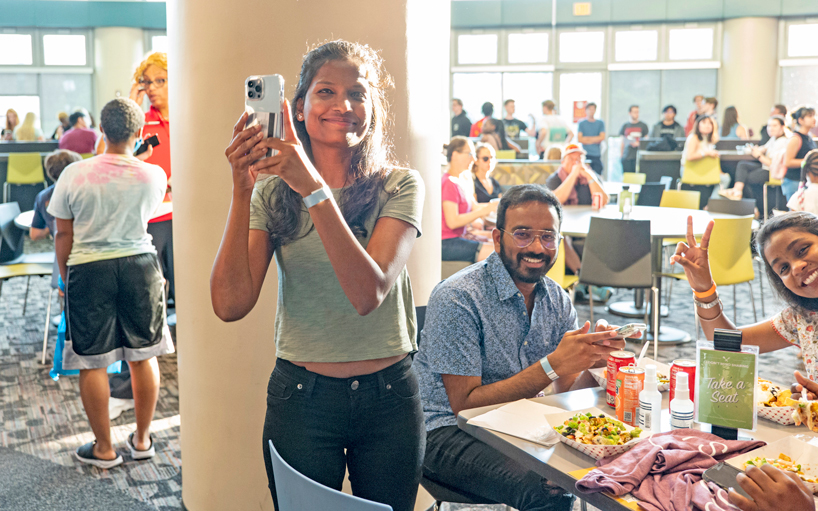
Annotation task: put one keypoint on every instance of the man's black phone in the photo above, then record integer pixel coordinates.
(150, 141)
(724, 476)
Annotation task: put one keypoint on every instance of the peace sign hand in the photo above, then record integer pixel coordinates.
(693, 258)
(291, 163)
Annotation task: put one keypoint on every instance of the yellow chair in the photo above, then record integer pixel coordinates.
(557, 272)
(634, 178)
(771, 183)
(85, 156)
(506, 154)
(704, 171)
(683, 199)
(731, 260)
(23, 169)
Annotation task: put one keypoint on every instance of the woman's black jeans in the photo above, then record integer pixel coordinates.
(371, 425)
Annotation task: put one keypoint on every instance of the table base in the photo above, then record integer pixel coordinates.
(669, 336)
(629, 310)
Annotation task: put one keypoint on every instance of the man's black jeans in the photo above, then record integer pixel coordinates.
(371, 425)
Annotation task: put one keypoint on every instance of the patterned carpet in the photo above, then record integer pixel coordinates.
(45, 418)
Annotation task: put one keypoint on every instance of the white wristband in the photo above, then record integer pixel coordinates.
(546, 365)
(317, 196)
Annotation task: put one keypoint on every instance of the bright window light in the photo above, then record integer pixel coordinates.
(528, 48)
(159, 43)
(477, 49)
(582, 46)
(802, 41)
(64, 50)
(22, 105)
(636, 45)
(691, 44)
(15, 50)
(474, 89)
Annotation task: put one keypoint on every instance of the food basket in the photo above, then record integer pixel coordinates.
(801, 448)
(594, 451)
(600, 374)
(780, 414)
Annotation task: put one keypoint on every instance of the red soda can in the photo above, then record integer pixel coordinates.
(596, 201)
(629, 383)
(616, 360)
(688, 366)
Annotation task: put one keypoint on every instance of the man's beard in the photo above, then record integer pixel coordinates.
(514, 267)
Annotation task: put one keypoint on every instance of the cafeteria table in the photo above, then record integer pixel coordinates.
(555, 463)
(24, 219)
(664, 223)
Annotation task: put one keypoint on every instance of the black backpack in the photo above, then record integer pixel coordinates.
(666, 143)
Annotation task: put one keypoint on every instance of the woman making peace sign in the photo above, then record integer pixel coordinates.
(788, 244)
(341, 220)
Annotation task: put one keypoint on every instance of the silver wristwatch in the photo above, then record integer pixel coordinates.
(707, 305)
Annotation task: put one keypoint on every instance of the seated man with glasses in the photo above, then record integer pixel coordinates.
(496, 332)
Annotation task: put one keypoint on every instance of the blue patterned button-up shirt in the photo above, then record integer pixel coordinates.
(477, 325)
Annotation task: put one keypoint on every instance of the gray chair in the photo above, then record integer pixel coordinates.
(617, 253)
(741, 207)
(55, 285)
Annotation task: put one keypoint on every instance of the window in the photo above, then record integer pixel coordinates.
(691, 44)
(528, 90)
(159, 43)
(582, 46)
(15, 50)
(64, 50)
(22, 105)
(477, 49)
(528, 48)
(802, 41)
(474, 89)
(636, 45)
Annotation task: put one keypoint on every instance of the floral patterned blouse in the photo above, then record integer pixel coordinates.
(799, 327)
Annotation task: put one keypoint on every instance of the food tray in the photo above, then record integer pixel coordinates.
(600, 374)
(594, 451)
(780, 414)
(800, 448)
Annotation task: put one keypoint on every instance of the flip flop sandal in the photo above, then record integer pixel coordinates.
(136, 454)
(86, 455)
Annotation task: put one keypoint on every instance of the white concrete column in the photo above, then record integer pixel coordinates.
(213, 46)
(117, 52)
(749, 71)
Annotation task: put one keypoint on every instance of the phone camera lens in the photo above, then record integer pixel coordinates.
(251, 94)
(251, 83)
(258, 88)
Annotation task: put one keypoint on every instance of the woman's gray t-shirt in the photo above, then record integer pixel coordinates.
(315, 321)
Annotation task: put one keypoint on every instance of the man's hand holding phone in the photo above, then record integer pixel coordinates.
(580, 350)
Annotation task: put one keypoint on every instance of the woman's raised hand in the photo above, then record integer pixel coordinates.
(243, 150)
(291, 163)
(137, 93)
(693, 258)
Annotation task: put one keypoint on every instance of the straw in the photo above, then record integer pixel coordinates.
(642, 353)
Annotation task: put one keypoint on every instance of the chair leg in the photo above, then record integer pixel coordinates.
(47, 319)
(695, 323)
(5, 192)
(654, 292)
(735, 309)
(25, 298)
(753, 301)
(766, 209)
(583, 506)
(591, 306)
(761, 286)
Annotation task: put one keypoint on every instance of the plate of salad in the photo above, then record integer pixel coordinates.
(593, 432)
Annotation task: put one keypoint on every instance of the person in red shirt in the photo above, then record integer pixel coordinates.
(691, 119)
(477, 127)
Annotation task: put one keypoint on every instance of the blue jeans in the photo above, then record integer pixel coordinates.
(789, 187)
(457, 459)
(371, 425)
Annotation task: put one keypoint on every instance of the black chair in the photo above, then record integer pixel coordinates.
(439, 491)
(741, 207)
(651, 194)
(617, 253)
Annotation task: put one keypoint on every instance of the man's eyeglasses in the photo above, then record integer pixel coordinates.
(471, 153)
(550, 240)
(159, 82)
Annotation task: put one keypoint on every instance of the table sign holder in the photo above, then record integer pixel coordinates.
(726, 341)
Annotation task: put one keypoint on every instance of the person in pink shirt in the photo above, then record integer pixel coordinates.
(459, 243)
(80, 138)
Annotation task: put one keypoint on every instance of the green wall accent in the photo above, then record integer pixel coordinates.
(64, 14)
(537, 13)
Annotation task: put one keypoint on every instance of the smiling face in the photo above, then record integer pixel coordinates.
(793, 256)
(529, 264)
(337, 108)
(157, 95)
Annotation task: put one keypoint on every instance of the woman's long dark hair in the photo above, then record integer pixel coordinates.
(372, 159)
(697, 130)
(800, 221)
(730, 118)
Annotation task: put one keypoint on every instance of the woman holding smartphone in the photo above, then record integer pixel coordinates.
(341, 219)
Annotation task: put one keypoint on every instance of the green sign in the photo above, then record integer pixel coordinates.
(725, 386)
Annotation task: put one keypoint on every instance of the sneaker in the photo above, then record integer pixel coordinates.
(86, 455)
(601, 294)
(136, 454)
(116, 406)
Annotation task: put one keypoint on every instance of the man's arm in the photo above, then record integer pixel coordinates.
(37, 234)
(63, 242)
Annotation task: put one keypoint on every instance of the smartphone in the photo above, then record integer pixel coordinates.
(724, 476)
(630, 330)
(263, 102)
(150, 141)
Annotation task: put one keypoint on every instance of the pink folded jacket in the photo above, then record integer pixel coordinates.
(662, 470)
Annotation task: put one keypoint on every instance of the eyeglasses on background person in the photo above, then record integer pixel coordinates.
(524, 237)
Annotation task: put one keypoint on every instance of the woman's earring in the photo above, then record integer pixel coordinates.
(300, 117)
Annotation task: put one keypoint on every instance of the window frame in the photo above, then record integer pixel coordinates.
(600, 65)
(549, 59)
(784, 59)
(38, 51)
(36, 47)
(661, 41)
(89, 45)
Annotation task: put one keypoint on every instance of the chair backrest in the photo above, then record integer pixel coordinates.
(633, 178)
(85, 156)
(684, 199)
(296, 492)
(704, 171)
(25, 169)
(617, 253)
(650, 194)
(731, 259)
(741, 207)
(506, 154)
(557, 271)
(667, 181)
(11, 244)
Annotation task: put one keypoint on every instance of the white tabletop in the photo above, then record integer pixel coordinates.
(23, 220)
